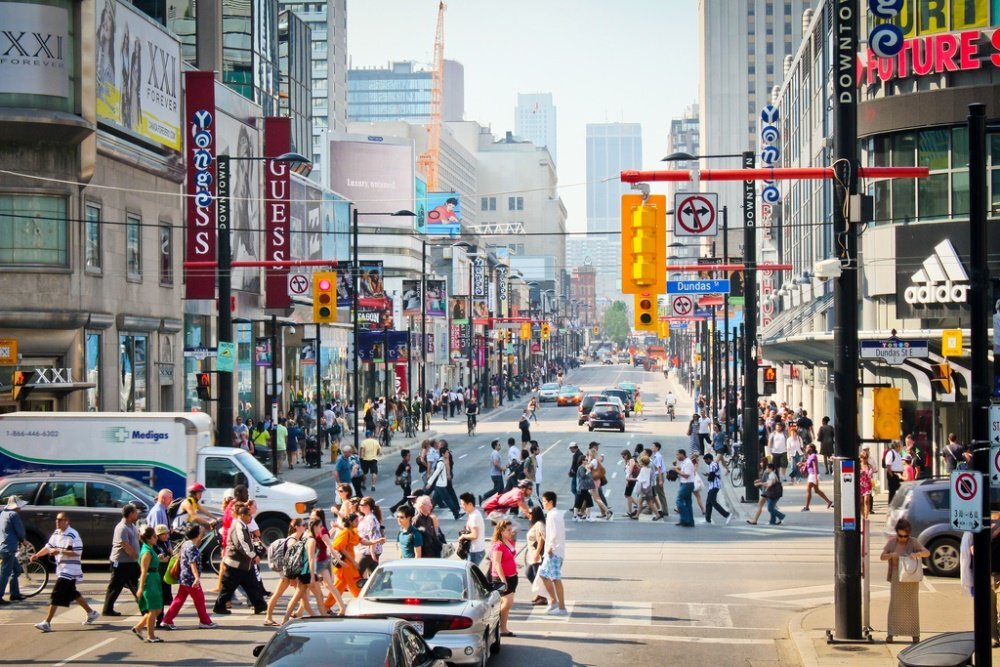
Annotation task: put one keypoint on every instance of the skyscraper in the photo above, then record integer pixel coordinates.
(535, 120)
(403, 92)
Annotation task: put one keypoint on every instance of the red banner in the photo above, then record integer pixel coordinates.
(199, 153)
(402, 385)
(277, 204)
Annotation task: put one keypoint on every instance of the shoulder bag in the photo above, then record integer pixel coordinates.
(911, 569)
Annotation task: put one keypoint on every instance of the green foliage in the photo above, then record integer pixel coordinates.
(616, 323)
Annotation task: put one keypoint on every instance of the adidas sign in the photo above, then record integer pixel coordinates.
(941, 279)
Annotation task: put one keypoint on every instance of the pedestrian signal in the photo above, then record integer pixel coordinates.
(768, 380)
(18, 380)
(204, 386)
(324, 297)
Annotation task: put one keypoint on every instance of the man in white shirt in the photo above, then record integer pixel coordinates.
(555, 552)
(685, 473)
(536, 455)
(513, 451)
(660, 475)
(475, 529)
(328, 417)
(67, 548)
(777, 442)
(893, 464)
(705, 431)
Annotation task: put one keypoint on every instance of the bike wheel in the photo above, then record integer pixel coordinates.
(34, 579)
(736, 474)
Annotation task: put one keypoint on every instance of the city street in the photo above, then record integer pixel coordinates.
(636, 589)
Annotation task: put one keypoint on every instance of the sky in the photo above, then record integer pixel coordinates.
(602, 60)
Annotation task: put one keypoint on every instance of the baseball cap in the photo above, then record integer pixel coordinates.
(572, 446)
(162, 529)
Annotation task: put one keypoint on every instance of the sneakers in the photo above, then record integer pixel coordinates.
(576, 518)
(206, 626)
(558, 612)
(92, 616)
(44, 626)
(729, 518)
(590, 519)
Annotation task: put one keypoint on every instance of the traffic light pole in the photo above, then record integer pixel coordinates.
(274, 392)
(423, 336)
(355, 279)
(751, 446)
(224, 320)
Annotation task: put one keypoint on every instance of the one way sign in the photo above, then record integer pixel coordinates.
(696, 214)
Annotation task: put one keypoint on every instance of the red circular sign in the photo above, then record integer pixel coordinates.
(683, 305)
(965, 486)
(696, 215)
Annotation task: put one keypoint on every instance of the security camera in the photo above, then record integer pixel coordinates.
(291, 330)
(827, 269)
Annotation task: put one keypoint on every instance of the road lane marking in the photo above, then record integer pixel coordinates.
(85, 652)
(629, 638)
(712, 615)
(480, 446)
(551, 446)
(463, 456)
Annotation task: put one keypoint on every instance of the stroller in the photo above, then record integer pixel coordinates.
(314, 458)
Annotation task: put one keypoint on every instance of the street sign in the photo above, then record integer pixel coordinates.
(951, 343)
(682, 306)
(678, 325)
(696, 215)
(847, 508)
(698, 286)
(966, 500)
(298, 284)
(200, 352)
(995, 444)
(894, 351)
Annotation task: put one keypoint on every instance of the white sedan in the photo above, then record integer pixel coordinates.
(548, 392)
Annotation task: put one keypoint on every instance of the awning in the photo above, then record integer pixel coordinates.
(52, 389)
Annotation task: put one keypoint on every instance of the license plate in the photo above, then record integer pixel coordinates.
(419, 626)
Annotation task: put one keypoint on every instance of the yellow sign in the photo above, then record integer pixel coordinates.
(8, 350)
(951, 343)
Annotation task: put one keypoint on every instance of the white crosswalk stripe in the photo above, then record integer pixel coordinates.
(804, 597)
(635, 614)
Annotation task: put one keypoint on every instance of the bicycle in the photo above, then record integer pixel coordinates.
(736, 464)
(34, 575)
(411, 428)
(471, 425)
(385, 434)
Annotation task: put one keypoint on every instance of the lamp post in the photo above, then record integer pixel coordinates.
(224, 259)
(356, 282)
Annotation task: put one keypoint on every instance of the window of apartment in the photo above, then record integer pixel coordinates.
(132, 376)
(133, 246)
(515, 203)
(92, 238)
(488, 204)
(92, 361)
(166, 254)
(33, 230)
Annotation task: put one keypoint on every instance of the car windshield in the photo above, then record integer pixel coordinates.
(569, 391)
(324, 646)
(604, 409)
(399, 582)
(256, 469)
(550, 386)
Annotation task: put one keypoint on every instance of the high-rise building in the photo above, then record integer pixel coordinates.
(295, 60)
(535, 120)
(611, 147)
(401, 91)
(684, 137)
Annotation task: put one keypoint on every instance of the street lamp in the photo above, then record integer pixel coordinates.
(402, 213)
(224, 312)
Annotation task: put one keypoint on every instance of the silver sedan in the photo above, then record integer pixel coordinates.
(449, 601)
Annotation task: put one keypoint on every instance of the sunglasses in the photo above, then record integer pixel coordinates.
(904, 535)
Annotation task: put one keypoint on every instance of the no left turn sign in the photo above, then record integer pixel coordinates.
(298, 284)
(683, 305)
(695, 214)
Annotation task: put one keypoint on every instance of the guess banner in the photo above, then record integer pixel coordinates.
(277, 204)
(199, 154)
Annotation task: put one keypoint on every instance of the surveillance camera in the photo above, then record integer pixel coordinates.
(826, 269)
(291, 330)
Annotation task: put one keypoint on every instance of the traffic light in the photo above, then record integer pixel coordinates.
(942, 377)
(768, 380)
(324, 297)
(664, 331)
(525, 330)
(596, 330)
(645, 312)
(887, 415)
(18, 380)
(204, 386)
(644, 244)
(545, 330)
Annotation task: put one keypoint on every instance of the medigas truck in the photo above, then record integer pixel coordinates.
(162, 449)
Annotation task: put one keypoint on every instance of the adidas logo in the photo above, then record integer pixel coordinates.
(940, 280)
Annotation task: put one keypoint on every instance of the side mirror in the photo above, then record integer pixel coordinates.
(257, 650)
(441, 653)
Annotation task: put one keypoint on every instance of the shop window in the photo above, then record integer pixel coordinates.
(92, 239)
(960, 148)
(132, 389)
(903, 200)
(932, 196)
(33, 230)
(92, 360)
(903, 146)
(133, 246)
(166, 255)
(932, 148)
(883, 210)
(960, 193)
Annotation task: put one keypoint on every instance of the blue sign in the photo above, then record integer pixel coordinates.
(886, 40)
(703, 313)
(678, 325)
(698, 286)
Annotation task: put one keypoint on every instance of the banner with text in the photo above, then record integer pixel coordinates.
(277, 202)
(199, 155)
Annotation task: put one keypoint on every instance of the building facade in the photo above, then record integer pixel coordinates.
(535, 121)
(402, 92)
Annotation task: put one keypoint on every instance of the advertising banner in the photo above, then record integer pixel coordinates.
(402, 386)
(138, 74)
(420, 204)
(345, 288)
(437, 298)
(479, 282)
(443, 215)
(200, 236)
(372, 343)
(502, 288)
(411, 298)
(225, 357)
(430, 345)
(307, 354)
(459, 308)
(455, 346)
(372, 289)
(262, 351)
(277, 202)
(480, 311)
(35, 43)
(376, 174)
(238, 139)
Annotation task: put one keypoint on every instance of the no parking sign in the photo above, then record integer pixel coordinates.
(967, 500)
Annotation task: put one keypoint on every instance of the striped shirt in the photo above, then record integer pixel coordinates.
(716, 482)
(67, 565)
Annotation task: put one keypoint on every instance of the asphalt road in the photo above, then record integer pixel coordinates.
(639, 592)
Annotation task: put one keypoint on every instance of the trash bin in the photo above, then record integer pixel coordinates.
(946, 650)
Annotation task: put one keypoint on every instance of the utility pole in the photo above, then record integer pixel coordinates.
(751, 447)
(224, 315)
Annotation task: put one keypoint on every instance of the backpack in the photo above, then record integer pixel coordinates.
(277, 555)
(355, 466)
(293, 560)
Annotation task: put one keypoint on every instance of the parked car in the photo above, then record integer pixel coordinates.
(623, 396)
(926, 504)
(606, 415)
(359, 642)
(586, 404)
(569, 395)
(93, 502)
(606, 360)
(449, 602)
(548, 392)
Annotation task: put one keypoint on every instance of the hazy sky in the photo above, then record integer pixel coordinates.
(602, 60)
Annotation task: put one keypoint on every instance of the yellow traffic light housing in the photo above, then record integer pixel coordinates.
(324, 285)
(18, 380)
(887, 415)
(526, 331)
(644, 244)
(942, 377)
(645, 312)
(546, 330)
(664, 329)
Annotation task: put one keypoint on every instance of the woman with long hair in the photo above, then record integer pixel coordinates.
(812, 478)
(536, 550)
(150, 591)
(503, 569)
(370, 533)
(307, 573)
(762, 500)
(326, 559)
(866, 482)
(296, 529)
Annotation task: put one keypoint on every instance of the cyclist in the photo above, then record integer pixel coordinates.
(190, 511)
(12, 535)
(471, 410)
(671, 404)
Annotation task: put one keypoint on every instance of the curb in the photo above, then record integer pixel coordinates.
(802, 641)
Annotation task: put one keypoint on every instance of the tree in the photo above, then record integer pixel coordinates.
(616, 325)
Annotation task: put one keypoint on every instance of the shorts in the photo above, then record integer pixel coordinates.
(64, 592)
(511, 586)
(813, 479)
(322, 566)
(369, 466)
(476, 557)
(551, 568)
(304, 579)
(780, 460)
(629, 487)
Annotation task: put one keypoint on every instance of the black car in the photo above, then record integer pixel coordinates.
(359, 642)
(587, 404)
(621, 394)
(606, 415)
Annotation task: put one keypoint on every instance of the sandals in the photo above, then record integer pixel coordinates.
(507, 634)
(752, 523)
(154, 640)
(272, 623)
(138, 634)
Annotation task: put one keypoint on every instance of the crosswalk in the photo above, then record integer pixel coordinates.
(803, 597)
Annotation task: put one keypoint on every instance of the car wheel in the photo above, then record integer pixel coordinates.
(495, 644)
(272, 530)
(621, 430)
(591, 428)
(945, 558)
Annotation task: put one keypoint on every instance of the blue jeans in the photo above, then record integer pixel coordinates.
(10, 570)
(684, 503)
(776, 514)
(439, 494)
(476, 557)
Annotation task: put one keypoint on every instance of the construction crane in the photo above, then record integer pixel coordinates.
(427, 162)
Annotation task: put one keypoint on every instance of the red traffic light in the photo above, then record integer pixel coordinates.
(325, 284)
(770, 374)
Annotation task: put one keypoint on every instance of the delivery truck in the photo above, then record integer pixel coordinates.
(170, 450)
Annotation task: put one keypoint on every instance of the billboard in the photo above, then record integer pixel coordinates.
(480, 311)
(437, 298)
(36, 50)
(200, 230)
(345, 288)
(138, 74)
(277, 202)
(376, 174)
(411, 298)
(442, 214)
(372, 286)
(459, 308)
(239, 139)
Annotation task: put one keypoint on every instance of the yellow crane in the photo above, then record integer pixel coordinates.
(427, 162)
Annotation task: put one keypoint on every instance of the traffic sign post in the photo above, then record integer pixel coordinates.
(967, 500)
(696, 214)
(681, 305)
(995, 444)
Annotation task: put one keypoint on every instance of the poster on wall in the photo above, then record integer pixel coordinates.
(437, 298)
(442, 214)
(372, 289)
(240, 140)
(35, 44)
(411, 298)
(138, 74)
(458, 306)
(480, 311)
(262, 351)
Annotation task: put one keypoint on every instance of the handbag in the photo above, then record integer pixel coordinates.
(911, 570)
(463, 549)
(173, 573)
